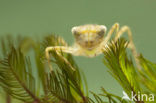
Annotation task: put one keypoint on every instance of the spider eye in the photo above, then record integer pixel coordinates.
(76, 34)
(101, 33)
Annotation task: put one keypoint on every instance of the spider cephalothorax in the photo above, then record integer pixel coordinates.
(89, 36)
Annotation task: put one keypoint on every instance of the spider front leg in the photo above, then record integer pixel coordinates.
(115, 28)
(58, 49)
(119, 33)
(131, 44)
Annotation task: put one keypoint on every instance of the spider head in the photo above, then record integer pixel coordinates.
(89, 36)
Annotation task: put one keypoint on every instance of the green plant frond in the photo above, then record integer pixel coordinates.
(120, 66)
(106, 97)
(148, 74)
(22, 82)
(97, 98)
(109, 95)
(6, 43)
(59, 88)
(65, 80)
(16, 76)
(19, 78)
(52, 40)
(25, 46)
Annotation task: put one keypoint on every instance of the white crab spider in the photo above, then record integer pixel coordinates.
(90, 41)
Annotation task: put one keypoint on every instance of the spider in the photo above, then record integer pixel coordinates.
(90, 41)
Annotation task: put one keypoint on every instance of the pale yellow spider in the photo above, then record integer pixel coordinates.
(90, 41)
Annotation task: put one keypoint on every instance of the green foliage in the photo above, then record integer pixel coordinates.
(120, 66)
(148, 75)
(25, 75)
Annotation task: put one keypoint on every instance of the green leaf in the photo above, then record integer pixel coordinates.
(16, 76)
(120, 66)
(148, 74)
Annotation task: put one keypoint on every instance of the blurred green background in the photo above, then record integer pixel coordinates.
(39, 17)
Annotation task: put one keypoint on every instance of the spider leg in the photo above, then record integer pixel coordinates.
(58, 49)
(115, 28)
(131, 44)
